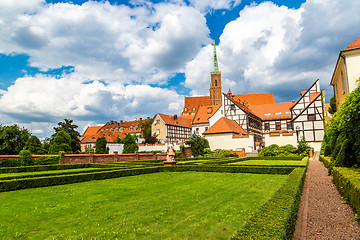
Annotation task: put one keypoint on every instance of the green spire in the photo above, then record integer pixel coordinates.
(215, 63)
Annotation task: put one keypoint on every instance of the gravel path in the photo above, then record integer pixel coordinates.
(322, 213)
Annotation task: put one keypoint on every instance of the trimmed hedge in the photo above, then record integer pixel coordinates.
(327, 163)
(347, 180)
(276, 218)
(27, 161)
(52, 167)
(231, 169)
(16, 184)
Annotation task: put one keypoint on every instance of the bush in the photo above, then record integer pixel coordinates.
(275, 150)
(303, 148)
(347, 180)
(218, 153)
(344, 158)
(276, 218)
(198, 145)
(61, 143)
(34, 145)
(100, 146)
(130, 145)
(25, 158)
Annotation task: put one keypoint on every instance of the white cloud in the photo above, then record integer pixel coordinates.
(276, 49)
(44, 99)
(210, 5)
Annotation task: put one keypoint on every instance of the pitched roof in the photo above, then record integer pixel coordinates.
(181, 121)
(273, 111)
(224, 125)
(191, 102)
(353, 45)
(256, 98)
(91, 130)
(204, 112)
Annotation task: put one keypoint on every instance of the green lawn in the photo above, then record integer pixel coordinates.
(267, 162)
(50, 172)
(167, 205)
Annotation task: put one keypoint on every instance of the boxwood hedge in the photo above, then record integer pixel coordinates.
(276, 218)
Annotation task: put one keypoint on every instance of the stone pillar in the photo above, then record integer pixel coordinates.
(116, 156)
(136, 155)
(91, 157)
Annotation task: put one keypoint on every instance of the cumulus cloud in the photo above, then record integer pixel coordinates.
(48, 99)
(276, 49)
(103, 41)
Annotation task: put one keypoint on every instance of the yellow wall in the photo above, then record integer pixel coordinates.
(161, 127)
(339, 91)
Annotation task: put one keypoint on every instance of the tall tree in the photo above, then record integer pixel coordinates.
(34, 145)
(130, 145)
(61, 142)
(332, 108)
(12, 139)
(70, 128)
(100, 146)
(145, 127)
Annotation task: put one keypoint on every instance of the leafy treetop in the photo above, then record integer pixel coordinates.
(12, 139)
(69, 128)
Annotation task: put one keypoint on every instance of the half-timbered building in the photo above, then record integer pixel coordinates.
(308, 115)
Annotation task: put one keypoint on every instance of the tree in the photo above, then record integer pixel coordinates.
(343, 132)
(12, 139)
(198, 145)
(34, 145)
(332, 108)
(46, 145)
(70, 128)
(100, 146)
(145, 127)
(130, 145)
(61, 142)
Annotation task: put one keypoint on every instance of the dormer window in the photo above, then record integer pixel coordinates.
(121, 129)
(267, 114)
(116, 129)
(131, 128)
(136, 127)
(277, 113)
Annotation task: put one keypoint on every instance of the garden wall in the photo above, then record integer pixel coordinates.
(118, 147)
(281, 139)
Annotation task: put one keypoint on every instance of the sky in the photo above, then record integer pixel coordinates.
(96, 61)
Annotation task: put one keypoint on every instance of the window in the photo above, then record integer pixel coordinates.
(266, 126)
(111, 129)
(116, 129)
(277, 113)
(136, 127)
(121, 129)
(232, 106)
(158, 121)
(158, 131)
(267, 114)
(342, 82)
(215, 82)
(311, 117)
(206, 128)
(287, 113)
(131, 128)
(278, 125)
(289, 125)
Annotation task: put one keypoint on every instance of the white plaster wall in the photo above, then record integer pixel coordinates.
(201, 128)
(280, 140)
(227, 142)
(119, 147)
(217, 115)
(353, 69)
(147, 148)
(315, 145)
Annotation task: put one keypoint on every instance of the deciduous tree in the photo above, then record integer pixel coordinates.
(70, 128)
(12, 139)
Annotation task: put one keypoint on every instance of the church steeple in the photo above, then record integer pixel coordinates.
(215, 61)
(215, 84)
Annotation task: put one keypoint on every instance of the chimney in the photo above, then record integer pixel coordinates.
(140, 119)
(175, 117)
(121, 121)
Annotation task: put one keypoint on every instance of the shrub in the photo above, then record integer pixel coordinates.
(100, 146)
(344, 158)
(275, 150)
(25, 158)
(198, 145)
(62, 142)
(34, 145)
(130, 145)
(303, 148)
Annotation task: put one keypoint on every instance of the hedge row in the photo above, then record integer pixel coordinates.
(276, 218)
(52, 167)
(347, 180)
(231, 169)
(63, 172)
(16, 184)
(17, 162)
(327, 163)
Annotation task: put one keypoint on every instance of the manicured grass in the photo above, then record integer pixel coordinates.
(266, 162)
(48, 172)
(167, 205)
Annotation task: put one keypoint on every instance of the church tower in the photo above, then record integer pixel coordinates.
(215, 84)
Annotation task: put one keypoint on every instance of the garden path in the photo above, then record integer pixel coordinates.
(322, 213)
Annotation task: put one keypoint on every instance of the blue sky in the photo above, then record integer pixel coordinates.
(96, 61)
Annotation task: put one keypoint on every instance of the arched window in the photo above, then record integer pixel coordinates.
(215, 82)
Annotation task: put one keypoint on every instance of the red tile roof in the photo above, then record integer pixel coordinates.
(182, 121)
(191, 102)
(283, 108)
(204, 112)
(255, 99)
(353, 45)
(224, 125)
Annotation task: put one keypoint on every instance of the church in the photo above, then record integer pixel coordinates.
(252, 121)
